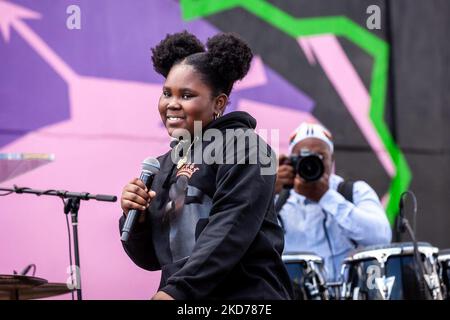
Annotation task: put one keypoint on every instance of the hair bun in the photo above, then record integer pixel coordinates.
(230, 56)
(173, 48)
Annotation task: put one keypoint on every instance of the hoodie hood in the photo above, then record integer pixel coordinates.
(233, 120)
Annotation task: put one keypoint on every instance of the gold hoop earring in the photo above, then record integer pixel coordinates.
(217, 115)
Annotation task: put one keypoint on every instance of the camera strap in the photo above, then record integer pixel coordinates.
(345, 188)
(282, 199)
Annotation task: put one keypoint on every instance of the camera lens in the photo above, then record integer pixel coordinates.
(310, 168)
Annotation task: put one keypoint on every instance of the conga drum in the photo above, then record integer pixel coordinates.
(306, 271)
(444, 272)
(391, 273)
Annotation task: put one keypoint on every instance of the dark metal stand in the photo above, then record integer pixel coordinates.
(402, 227)
(71, 205)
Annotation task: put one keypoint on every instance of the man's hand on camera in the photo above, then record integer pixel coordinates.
(285, 174)
(312, 190)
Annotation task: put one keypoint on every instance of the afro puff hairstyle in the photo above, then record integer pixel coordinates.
(226, 60)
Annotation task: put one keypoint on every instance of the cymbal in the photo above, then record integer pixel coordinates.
(37, 292)
(10, 282)
(21, 287)
(14, 164)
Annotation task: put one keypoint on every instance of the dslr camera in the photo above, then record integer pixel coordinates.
(308, 165)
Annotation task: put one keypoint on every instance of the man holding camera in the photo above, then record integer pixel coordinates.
(319, 211)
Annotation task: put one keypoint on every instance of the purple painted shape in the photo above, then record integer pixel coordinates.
(111, 43)
(6, 138)
(32, 95)
(115, 37)
(277, 91)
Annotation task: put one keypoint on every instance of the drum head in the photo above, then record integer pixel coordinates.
(444, 253)
(390, 272)
(393, 249)
(302, 256)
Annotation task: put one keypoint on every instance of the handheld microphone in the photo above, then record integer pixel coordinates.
(150, 167)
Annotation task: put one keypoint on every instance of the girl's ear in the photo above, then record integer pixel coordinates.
(221, 102)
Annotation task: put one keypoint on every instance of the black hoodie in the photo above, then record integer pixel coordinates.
(226, 242)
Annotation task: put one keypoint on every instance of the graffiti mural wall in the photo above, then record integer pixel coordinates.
(88, 95)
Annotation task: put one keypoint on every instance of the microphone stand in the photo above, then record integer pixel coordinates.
(71, 205)
(402, 227)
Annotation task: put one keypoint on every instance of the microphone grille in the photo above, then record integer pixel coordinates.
(151, 164)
